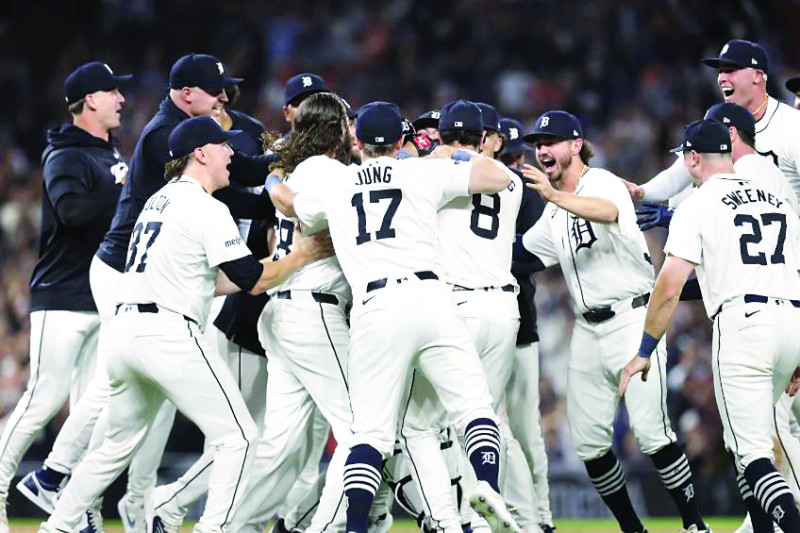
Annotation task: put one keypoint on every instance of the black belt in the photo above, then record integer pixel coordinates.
(504, 288)
(151, 308)
(381, 283)
(601, 314)
(757, 298)
(319, 297)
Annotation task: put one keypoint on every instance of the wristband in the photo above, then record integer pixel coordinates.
(461, 155)
(272, 180)
(648, 345)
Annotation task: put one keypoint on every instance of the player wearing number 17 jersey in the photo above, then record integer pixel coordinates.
(743, 240)
(382, 219)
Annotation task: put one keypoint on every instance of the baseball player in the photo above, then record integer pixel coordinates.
(428, 124)
(744, 243)
(197, 88)
(522, 392)
(83, 175)
(183, 241)
(492, 140)
(793, 86)
(743, 67)
(590, 229)
(382, 217)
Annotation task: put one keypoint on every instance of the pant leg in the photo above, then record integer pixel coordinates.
(789, 445)
(522, 401)
(58, 341)
(303, 498)
(132, 405)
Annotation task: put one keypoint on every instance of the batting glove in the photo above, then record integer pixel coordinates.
(650, 215)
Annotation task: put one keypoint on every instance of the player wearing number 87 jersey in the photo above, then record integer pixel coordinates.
(182, 240)
(382, 219)
(744, 242)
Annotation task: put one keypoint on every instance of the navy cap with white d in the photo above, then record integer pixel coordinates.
(490, 117)
(429, 119)
(90, 78)
(195, 132)
(511, 130)
(304, 84)
(461, 115)
(199, 70)
(733, 115)
(379, 123)
(739, 53)
(706, 137)
(556, 124)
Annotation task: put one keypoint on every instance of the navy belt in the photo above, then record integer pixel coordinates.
(757, 298)
(151, 308)
(381, 283)
(319, 297)
(601, 314)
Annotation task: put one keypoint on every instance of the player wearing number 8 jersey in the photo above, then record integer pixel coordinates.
(181, 241)
(382, 219)
(744, 242)
(589, 228)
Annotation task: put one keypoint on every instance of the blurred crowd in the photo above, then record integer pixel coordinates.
(630, 69)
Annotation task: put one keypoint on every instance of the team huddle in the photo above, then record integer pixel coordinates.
(373, 277)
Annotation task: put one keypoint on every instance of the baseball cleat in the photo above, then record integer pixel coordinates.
(382, 525)
(159, 526)
(43, 497)
(693, 529)
(131, 513)
(490, 505)
(547, 528)
(92, 521)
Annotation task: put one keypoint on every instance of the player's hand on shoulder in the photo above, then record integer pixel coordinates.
(312, 248)
(538, 181)
(794, 383)
(442, 152)
(636, 191)
(653, 215)
(634, 366)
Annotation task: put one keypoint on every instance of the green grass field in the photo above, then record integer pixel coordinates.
(719, 524)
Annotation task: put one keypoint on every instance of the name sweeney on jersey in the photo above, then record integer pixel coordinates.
(370, 175)
(748, 196)
(156, 203)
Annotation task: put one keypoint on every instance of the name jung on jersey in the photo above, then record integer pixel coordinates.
(746, 196)
(372, 174)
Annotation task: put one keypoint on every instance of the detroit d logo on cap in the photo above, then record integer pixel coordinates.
(221, 69)
(306, 81)
(545, 121)
(513, 134)
(724, 49)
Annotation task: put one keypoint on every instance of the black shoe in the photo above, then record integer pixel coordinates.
(547, 528)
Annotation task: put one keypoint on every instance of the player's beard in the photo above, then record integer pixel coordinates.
(563, 162)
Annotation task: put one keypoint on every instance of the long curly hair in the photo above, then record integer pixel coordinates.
(320, 127)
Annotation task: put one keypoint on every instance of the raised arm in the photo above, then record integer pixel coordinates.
(592, 208)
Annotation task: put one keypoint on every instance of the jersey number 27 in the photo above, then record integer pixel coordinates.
(755, 237)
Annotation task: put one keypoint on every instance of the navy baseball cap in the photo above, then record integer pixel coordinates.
(379, 123)
(556, 124)
(511, 130)
(408, 127)
(739, 53)
(90, 78)
(733, 115)
(352, 112)
(793, 84)
(199, 70)
(195, 132)
(706, 137)
(490, 117)
(304, 84)
(429, 119)
(461, 115)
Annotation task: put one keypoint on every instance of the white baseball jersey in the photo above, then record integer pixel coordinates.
(177, 244)
(741, 232)
(762, 169)
(324, 275)
(477, 235)
(777, 137)
(382, 215)
(602, 263)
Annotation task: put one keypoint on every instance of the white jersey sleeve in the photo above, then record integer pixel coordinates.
(539, 239)
(684, 239)
(762, 168)
(220, 236)
(452, 181)
(607, 186)
(668, 183)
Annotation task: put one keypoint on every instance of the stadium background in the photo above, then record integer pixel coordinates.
(629, 69)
